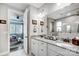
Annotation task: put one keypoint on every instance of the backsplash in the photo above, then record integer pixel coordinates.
(68, 35)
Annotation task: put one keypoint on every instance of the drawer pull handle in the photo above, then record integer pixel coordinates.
(42, 43)
(41, 49)
(33, 43)
(57, 55)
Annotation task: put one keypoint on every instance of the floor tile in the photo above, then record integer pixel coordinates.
(19, 52)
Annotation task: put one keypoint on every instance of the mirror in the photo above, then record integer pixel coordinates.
(50, 25)
(66, 25)
(69, 25)
(68, 28)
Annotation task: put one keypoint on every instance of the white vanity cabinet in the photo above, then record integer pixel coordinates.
(38, 48)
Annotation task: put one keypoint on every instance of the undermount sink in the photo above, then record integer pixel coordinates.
(51, 38)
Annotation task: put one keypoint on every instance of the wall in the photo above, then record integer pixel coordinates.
(3, 30)
(33, 16)
(36, 14)
(6, 13)
(3, 11)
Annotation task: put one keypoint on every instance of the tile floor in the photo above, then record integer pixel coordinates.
(19, 52)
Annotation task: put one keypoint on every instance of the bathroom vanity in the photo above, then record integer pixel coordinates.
(45, 47)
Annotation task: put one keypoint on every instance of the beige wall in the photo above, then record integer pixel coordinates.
(6, 13)
(35, 15)
(4, 30)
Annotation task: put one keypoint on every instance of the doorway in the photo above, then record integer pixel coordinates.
(16, 33)
(19, 31)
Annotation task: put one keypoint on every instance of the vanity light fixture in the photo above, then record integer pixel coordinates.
(62, 5)
(68, 14)
(58, 4)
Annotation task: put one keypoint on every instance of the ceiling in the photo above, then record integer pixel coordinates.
(23, 6)
(71, 9)
(18, 6)
(37, 5)
(52, 9)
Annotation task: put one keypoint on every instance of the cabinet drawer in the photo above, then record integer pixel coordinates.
(61, 50)
(70, 53)
(54, 48)
(52, 53)
(42, 44)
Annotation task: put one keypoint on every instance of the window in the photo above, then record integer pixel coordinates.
(12, 28)
(19, 29)
(16, 28)
(68, 28)
(59, 26)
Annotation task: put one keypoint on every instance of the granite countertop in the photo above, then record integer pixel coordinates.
(61, 44)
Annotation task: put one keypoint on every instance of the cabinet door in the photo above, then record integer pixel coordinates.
(42, 49)
(34, 47)
(52, 53)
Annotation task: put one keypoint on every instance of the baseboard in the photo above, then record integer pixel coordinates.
(4, 53)
(26, 53)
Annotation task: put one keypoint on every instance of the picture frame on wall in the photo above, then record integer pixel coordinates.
(41, 23)
(2, 21)
(34, 22)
